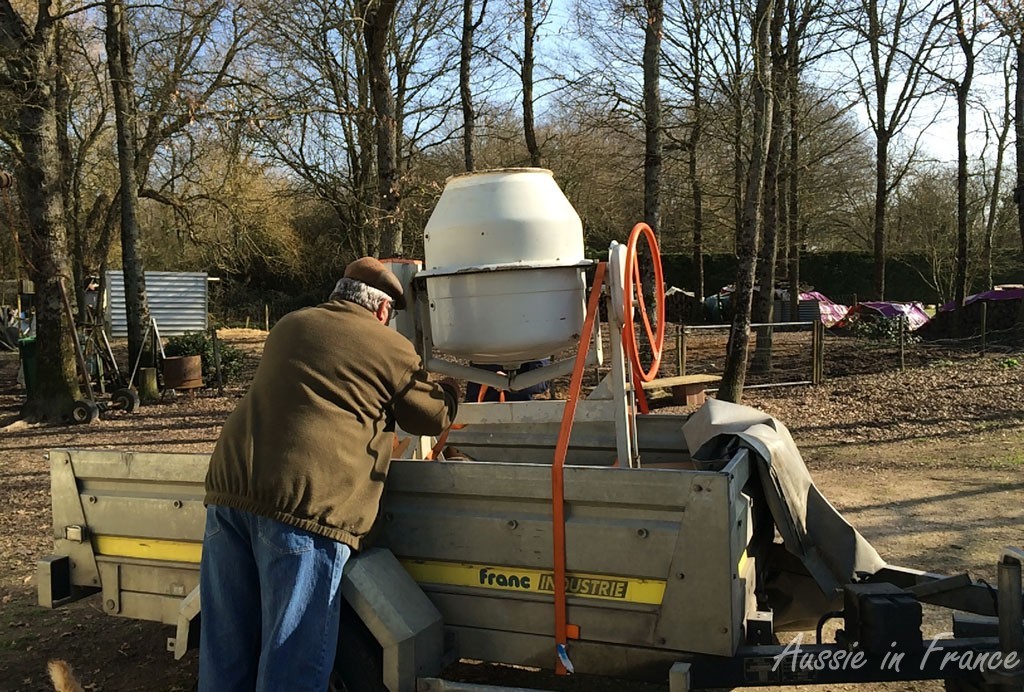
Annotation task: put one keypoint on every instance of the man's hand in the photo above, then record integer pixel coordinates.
(451, 384)
(452, 394)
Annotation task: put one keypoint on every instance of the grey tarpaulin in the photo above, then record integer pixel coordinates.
(812, 530)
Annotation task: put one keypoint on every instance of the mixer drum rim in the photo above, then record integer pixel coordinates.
(503, 267)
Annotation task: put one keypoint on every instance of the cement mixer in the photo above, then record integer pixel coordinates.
(504, 282)
(578, 535)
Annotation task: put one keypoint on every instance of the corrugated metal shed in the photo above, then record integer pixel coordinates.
(808, 311)
(178, 301)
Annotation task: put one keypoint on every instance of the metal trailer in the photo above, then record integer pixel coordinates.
(664, 566)
(669, 564)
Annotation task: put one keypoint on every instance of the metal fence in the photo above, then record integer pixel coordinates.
(780, 354)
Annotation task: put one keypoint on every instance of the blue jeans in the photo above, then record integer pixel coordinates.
(271, 603)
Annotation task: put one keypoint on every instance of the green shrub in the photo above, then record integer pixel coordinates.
(883, 329)
(1009, 363)
(232, 360)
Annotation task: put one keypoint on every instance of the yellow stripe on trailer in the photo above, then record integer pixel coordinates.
(147, 548)
(522, 580)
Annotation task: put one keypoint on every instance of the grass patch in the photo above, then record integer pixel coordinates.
(1012, 460)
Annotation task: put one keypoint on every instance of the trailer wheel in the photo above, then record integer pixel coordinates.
(126, 400)
(359, 661)
(85, 411)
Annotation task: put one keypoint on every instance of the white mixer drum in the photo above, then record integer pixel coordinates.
(504, 261)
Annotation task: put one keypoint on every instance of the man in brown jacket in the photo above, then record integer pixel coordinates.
(295, 483)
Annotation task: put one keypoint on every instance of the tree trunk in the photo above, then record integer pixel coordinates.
(994, 198)
(698, 214)
(793, 196)
(693, 149)
(465, 88)
(764, 302)
(378, 16)
(747, 246)
(738, 164)
(793, 212)
(652, 115)
(62, 109)
(882, 135)
(962, 92)
(881, 200)
(529, 38)
(764, 299)
(960, 280)
(122, 85)
(31, 61)
(1018, 127)
(363, 214)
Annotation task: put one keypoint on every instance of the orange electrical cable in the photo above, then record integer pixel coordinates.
(558, 467)
(435, 451)
(655, 336)
(483, 393)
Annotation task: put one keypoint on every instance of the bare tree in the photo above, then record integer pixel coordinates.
(899, 36)
(535, 13)
(377, 16)
(964, 13)
(29, 128)
(83, 134)
(764, 301)
(997, 124)
(655, 11)
(311, 113)
(122, 84)
(1009, 16)
(171, 82)
(1018, 120)
(315, 112)
(800, 15)
(793, 116)
(731, 81)
(689, 70)
(747, 243)
(469, 29)
(424, 56)
(961, 17)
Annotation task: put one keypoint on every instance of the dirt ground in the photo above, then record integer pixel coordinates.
(927, 463)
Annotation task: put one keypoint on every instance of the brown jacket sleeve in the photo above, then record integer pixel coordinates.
(423, 407)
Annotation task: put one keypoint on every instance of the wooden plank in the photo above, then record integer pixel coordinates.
(679, 380)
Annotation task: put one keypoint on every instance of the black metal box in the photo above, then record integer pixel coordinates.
(882, 618)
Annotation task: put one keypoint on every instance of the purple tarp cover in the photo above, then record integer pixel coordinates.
(1001, 294)
(831, 313)
(914, 312)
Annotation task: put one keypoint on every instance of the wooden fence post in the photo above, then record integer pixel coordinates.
(984, 327)
(681, 350)
(817, 352)
(903, 342)
(821, 350)
(216, 360)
